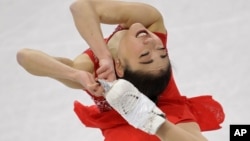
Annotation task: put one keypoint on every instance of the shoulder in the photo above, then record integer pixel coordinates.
(84, 62)
(158, 25)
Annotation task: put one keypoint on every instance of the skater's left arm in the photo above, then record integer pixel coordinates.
(188, 131)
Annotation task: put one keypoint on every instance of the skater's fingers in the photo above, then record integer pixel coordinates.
(96, 89)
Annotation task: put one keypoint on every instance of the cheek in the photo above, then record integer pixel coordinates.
(129, 50)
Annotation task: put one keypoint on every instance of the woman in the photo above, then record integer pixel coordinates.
(138, 47)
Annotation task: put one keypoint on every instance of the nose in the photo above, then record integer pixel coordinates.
(150, 42)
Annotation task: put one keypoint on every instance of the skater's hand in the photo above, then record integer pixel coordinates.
(106, 70)
(89, 83)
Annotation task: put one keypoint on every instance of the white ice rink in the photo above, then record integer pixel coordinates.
(208, 44)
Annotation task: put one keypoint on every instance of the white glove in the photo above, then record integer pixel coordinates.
(133, 106)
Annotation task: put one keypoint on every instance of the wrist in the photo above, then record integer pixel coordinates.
(103, 54)
(74, 75)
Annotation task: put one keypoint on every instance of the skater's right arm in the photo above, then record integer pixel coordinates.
(75, 74)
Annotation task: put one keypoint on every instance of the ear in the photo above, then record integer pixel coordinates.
(119, 68)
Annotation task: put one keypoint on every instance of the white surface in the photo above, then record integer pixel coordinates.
(208, 43)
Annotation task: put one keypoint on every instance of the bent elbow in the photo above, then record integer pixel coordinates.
(75, 7)
(21, 56)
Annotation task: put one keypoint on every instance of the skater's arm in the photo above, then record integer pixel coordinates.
(189, 131)
(41, 64)
(89, 14)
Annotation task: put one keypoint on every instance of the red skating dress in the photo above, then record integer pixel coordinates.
(204, 110)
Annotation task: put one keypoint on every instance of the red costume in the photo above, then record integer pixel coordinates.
(204, 110)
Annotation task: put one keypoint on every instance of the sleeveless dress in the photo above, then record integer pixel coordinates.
(204, 110)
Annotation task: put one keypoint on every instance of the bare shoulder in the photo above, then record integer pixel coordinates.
(158, 26)
(83, 62)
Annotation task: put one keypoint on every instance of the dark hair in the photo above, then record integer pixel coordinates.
(151, 85)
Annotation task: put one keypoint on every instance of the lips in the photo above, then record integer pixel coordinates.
(141, 33)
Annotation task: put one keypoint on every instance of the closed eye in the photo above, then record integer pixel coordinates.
(163, 49)
(164, 56)
(147, 62)
(144, 54)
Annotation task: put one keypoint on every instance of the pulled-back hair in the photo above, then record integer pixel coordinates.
(151, 85)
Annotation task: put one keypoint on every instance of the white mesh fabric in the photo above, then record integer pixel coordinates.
(135, 107)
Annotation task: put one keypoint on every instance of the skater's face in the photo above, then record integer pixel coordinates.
(141, 50)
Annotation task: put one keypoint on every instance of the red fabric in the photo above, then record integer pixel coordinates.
(204, 110)
(208, 112)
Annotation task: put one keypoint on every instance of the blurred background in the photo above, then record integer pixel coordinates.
(208, 44)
